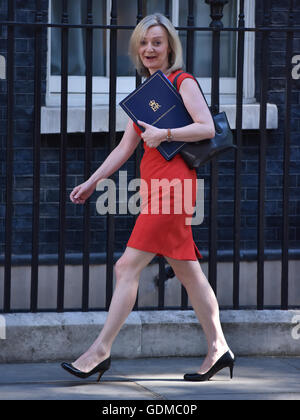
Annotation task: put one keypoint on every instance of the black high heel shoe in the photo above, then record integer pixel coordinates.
(101, 368)
(227, 360)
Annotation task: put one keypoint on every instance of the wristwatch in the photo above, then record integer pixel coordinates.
(169, 136)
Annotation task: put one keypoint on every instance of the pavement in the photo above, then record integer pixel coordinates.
(254, 378)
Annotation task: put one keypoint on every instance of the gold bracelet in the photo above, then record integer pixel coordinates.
(169, 136)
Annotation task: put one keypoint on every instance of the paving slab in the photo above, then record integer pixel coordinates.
(255, 378)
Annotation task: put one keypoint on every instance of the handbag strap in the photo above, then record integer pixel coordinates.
(184, 72)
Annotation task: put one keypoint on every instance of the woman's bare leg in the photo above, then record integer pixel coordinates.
(205, 305)
(128, 269)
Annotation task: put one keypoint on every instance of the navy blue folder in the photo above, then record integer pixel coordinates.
(157, 102)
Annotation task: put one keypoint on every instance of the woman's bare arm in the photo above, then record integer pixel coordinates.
(112, 163)
(119, 155)
(202, 127)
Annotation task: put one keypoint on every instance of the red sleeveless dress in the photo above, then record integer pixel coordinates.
(162, 226)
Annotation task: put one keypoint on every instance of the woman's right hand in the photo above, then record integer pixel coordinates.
(82, 192)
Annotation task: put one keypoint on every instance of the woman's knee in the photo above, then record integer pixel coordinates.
(125, 268)
(132, 262)
(187, 271)
(121, 266)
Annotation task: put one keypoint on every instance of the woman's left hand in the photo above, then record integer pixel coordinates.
(153, 136)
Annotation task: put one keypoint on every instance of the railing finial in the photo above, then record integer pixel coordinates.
(216, 12)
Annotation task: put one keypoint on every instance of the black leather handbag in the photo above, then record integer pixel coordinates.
(200, 152)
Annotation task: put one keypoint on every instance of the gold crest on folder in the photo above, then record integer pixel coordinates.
(154, 105)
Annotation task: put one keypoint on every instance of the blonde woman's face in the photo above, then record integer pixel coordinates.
(154, 49)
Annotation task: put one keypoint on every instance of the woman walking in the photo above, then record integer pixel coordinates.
(155, 45)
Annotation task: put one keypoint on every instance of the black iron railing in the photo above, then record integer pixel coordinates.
(216, 27)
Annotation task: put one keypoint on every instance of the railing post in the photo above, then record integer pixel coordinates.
(238, 163)
(216, 13)
(112, 143)
(262, 157)
(138, 150)
(36, 158)
(63, 145)
(9, 157)
(88, 154)
(167, 8)
(190, 38)
(286, 162)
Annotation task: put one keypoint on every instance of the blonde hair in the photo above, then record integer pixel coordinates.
(175, 56)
